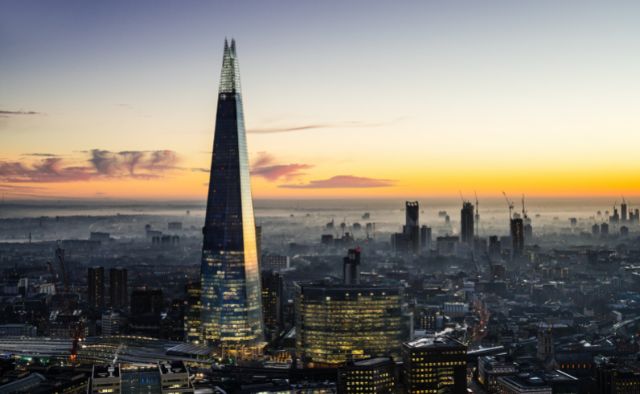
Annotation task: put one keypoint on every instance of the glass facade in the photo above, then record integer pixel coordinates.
(230, 276)
(336, 324)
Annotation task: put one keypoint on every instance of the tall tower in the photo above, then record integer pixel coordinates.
(230, 275)
(466, 223)
(411, 228)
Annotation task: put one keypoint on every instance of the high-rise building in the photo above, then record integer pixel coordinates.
(374, 375)
(272, 300)
(411, 229)
(105, 379)
(230, 274)
(351, 267)
(193, 310)
(434, 365)
(118, 288)
(95, 287)
(466, 223)
(146, 301)
(623, 211)
(425, 237)
(336, 323)
(517, 237)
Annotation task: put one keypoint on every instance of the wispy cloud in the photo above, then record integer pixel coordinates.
(18, 112)
(267, 167)
(342, 182)
(99, 164)
(39, 154)
(312, 126)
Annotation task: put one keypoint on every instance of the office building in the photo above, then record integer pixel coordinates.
(272, 303)
(604, 229)
(337, 323)
(623, 211)
(523, 384)
(230, 273)
(411, 229)
(517, 237)
(193, 310)
(466, 223)
(276, 262)
(118, 288)
(95, 288)
(433, 365)
(374, 375)
(146, 301)
(351, 267)
(425, 237)
(490, 368)
(174, 378)
(105, 379)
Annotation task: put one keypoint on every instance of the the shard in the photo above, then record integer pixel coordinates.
(230, 277)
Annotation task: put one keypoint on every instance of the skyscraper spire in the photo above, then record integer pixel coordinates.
(230, 276)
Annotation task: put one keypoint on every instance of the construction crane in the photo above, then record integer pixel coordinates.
(509, 204)
(524, 211)
(477, 218)
(461, 197)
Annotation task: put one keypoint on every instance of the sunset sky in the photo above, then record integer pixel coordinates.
(341, 99)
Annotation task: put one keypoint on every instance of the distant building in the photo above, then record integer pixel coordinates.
(491, 368)
(624, 231)
(337, 323)
(18, 330)
(433, 365)
(174, 378)
(495, 247)
(604, 229)
(95, 287)
(623, 211)
(446, 245)
(374, 375)
(412, 225)
(425, 237)
(523, 384)
(517, 237)
(118, 288)
(275, 262)
(595, 230)
(272, 303)
(146, 301)
(351, 267)
(192, 322)
(112, 323)
(174, 226)
(466, 224)
(617, 377)
(105, 379)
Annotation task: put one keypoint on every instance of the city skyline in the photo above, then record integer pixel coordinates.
(414, 101)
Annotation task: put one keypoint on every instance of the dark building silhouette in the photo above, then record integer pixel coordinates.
(466, 223)
(272, 303)
(435, 365)
(230, 273)
(118, 291)
(351, 267)
(425, 237)
(604, 229)
(517, 237)
(95, 287)
(411, 228)
(495, 247)
(623, 211)
(146, 301)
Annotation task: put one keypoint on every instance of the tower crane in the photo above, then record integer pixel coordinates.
(524, 211)
(509, 204)
(477, 218)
